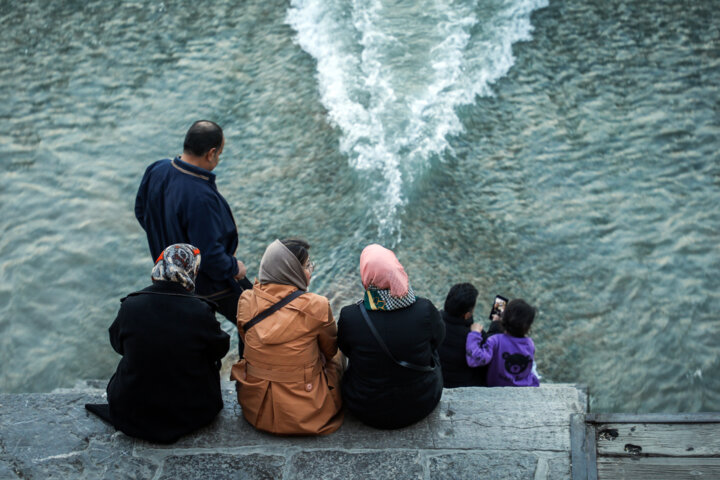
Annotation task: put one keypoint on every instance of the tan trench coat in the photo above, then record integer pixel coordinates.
(287, 382)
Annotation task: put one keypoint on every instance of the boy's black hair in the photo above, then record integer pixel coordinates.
(202, 136)
(461, 299)
(518, 317)
(298, 247)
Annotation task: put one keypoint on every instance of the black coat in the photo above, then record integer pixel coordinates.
(375, 389)
(456, 372)
(167, 384)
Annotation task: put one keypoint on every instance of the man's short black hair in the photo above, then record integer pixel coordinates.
(202, 136)
(461, 299)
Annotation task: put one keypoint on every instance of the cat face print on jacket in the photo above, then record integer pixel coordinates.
(516, 363)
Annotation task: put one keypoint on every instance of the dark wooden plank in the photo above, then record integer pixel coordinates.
(657, 468)
(591, 446)
(578, 450)
(709, 417)
(674, 439)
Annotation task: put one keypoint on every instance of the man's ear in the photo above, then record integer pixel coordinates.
(210, 158)
(467, 315)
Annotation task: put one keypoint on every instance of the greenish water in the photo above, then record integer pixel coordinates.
(566, 153)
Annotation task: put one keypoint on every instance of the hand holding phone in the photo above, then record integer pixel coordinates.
(476, 327)
(498, 307)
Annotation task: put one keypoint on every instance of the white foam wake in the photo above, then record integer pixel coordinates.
(391, 75)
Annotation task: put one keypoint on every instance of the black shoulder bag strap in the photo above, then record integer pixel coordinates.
(373, 330)
(266, 313)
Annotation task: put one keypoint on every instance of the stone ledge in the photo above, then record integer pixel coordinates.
(511, 433)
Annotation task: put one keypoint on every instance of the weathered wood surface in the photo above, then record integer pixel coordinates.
(657, 468)
(657, 439)
(702, 417)
(583, 449)
(645, 446)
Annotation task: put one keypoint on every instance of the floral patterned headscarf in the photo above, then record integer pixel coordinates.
(178, 263)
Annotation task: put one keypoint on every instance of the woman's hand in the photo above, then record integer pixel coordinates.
(476, 327)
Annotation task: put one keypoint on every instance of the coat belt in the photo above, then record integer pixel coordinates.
(305, 375)
(259, 359)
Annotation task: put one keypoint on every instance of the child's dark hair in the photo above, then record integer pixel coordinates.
(461, 299)
(298, 247)
(518, 317)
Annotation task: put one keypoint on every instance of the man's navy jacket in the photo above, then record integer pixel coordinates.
(179, 203)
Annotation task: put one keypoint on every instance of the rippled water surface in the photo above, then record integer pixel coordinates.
(566, 153)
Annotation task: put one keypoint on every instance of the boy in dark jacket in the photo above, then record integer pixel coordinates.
(458, 317)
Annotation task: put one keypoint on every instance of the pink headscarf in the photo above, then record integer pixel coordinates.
(380, 267)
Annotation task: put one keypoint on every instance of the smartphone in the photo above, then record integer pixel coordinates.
(498, 306)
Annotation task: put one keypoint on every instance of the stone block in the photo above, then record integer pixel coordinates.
(231, 430)
(473, 433)
(505, 419)
(99, 460)
(7, 470)
(219, 466)
(355, 435)
(376, 465)
(558, 467)
(36, 426)
(474, 466)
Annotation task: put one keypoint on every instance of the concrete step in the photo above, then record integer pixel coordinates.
(516, 433)
(87, 386)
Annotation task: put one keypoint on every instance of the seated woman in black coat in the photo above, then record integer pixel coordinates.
(167, 384)
(391, 340)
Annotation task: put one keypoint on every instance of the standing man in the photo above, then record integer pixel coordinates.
(178, 202)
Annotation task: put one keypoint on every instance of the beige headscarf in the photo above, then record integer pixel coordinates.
(279, 265)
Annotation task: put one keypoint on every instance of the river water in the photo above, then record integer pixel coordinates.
(562, 152)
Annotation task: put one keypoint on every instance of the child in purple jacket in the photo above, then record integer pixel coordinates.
(510, 355)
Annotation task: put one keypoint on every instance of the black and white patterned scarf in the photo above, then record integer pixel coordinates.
(379, 299)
